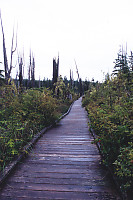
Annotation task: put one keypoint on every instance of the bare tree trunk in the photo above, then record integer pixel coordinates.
(12, 52)
(33, 73)
(77, 70)
(4, 52)
(29, 71)
(20, 73)
(6, 69)
(55, 71)
(70, 79)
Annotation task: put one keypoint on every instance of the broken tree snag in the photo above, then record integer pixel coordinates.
(33, 73)
(12, 52)
(71, 79)
(20, 73)
(6, 68)
(76, 69)
(29, 71)
(4, 52)
(55, 71)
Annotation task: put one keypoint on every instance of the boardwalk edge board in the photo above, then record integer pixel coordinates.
(122, 194)
(8, 169)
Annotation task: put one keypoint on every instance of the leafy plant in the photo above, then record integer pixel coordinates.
(22, 115)
(110, 109)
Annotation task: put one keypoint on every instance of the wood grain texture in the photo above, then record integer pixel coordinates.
(64, 164)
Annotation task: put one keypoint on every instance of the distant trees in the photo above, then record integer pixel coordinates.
(57, 84)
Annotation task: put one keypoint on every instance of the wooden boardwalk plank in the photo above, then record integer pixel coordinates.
(64, 164)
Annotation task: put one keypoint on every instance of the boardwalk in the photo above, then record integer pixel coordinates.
(64, 164)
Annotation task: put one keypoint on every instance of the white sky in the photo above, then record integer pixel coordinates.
(89, 31)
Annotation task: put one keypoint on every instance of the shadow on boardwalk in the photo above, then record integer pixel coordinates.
(63, 164)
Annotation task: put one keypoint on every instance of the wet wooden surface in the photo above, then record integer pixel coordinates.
(63, 164)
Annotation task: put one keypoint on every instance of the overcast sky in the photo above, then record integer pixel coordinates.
(89, 31)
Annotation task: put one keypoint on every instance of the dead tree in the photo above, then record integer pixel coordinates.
(76, 69)
(55, 71)
(80, 86)
(20, 73)
(29, 71)
(7, 69)
(4, 51)
(71, 81)
(12, 52)
(33, 72)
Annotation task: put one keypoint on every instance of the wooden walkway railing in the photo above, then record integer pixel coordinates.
(63, 164)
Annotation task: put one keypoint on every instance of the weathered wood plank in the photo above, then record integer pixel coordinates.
(43, 165)
(56, 187)
(58, 181)
(50, 195)
(60, 170)
(64, 164)
(59, 175)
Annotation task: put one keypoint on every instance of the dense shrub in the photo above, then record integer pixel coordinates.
(110, 109)
(22, 115)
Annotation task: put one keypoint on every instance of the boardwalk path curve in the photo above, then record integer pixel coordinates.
(64, 164)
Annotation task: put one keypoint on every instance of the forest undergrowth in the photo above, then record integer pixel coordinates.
(24, 114)
(110, 110)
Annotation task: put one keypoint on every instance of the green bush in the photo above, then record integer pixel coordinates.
(124, 167)
(22, 115)
(110, 109)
